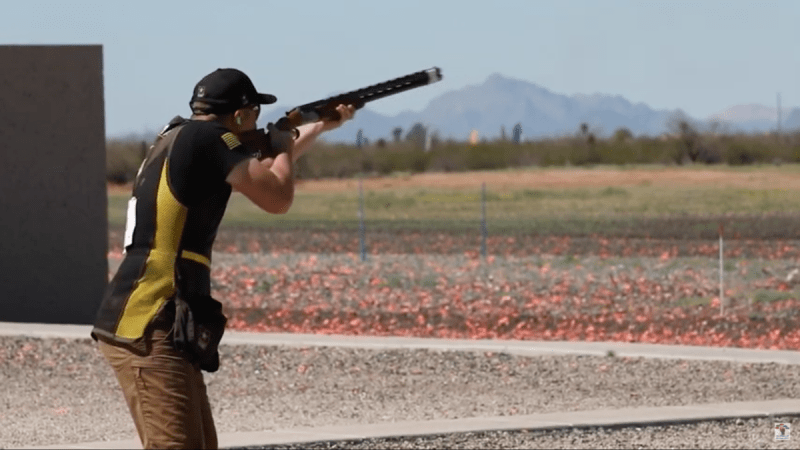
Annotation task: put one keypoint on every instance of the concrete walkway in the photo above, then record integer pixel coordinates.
(619, 417)
(551, 421)
(526, 348)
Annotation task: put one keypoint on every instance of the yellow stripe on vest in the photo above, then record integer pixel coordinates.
(158, 282)
(231, 140)
(196, 257)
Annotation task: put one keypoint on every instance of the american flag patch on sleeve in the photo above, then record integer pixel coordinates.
(231, 140)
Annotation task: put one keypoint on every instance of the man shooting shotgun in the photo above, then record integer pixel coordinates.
(157, 324)
(326, 109)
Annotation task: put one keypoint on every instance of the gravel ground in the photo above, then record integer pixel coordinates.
(751, 433)
(62, 391)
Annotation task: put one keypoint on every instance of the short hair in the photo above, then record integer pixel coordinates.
(201, 108)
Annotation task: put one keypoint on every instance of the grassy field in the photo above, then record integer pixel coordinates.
(612, 200)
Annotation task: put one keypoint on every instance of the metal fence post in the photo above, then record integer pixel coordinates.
(361, 227)
(721, 274)
(484, 230)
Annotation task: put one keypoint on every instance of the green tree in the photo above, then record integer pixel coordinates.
(622, 134)
(417, 134)
(679, 124)
(397, 133)
(516, 133)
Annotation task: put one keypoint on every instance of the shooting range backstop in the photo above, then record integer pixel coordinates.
(53, 204)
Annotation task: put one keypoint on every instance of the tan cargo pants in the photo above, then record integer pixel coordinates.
(166, 395)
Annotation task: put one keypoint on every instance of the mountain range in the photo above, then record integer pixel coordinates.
(501, 101)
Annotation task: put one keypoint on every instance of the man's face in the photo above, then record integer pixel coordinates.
(249, 117)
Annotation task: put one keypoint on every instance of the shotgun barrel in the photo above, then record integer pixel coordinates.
(326, 108)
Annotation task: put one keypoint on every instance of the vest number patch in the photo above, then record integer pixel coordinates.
(130, 223)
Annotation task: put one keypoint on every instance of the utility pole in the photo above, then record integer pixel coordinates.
(779, 114)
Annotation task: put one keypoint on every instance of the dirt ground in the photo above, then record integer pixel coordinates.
(761, 178)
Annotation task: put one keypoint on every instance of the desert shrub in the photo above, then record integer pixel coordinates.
(488, 156)
(123, 158)
(449, 157)
(555, 152)
(740, 154)
(794, 153)
(749, 150)
(622, 134)
(618, 152)
(329, 160)
(651, 150)
(400, 157)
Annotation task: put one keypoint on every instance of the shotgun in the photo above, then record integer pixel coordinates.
(326, 108)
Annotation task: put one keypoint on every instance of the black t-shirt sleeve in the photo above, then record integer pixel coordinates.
(226, 156)
(203, 155)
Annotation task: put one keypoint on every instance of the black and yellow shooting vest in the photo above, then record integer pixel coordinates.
(169, 229)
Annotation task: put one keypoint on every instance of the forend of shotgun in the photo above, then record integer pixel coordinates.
(326, 108)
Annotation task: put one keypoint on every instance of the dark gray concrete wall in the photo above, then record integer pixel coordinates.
(53, 203)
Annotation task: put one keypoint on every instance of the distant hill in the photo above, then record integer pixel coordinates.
(501, 101)
(792, 121)
(756, 118)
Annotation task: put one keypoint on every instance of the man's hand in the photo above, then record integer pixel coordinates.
(310, 131)
(280, 141)
(346, 112)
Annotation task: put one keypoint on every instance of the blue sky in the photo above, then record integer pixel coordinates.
(700, 56)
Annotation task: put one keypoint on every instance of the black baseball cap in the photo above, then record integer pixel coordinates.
(226, 90)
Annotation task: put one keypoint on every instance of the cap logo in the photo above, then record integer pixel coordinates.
(201, 91)
(244, 99)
